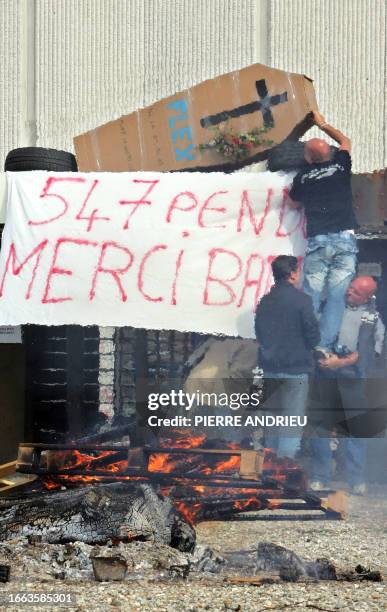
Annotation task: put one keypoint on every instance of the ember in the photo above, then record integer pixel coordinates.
(204, 478)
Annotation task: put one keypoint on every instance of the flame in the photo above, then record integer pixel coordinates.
(70, 460)
(119, 466)
(74, 459)
(183, 439)
(51, 484)
(162, 463)
(167, 463)
(230, 464)
(194, 502)
(274, 504)
(189, 512)
(248, 504)
(78, 459)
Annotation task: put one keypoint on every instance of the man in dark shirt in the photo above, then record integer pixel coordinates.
(324, 190)
(287, 330)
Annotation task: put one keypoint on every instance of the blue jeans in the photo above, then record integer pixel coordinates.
(355, 451)
(349, 416)
(330, 264)
(289, 399)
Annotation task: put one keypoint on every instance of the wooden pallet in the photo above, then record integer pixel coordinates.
(10, 479)
(30, 458)
(251, 481)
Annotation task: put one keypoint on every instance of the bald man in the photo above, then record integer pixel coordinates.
(360, 339)
(323, 189)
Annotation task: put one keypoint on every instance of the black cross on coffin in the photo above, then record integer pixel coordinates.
(264, 105)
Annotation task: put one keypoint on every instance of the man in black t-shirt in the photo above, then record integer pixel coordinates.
(324, 190)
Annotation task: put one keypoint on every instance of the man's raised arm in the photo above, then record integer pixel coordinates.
(339, 137)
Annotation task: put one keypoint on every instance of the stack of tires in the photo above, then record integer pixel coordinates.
(61, 382)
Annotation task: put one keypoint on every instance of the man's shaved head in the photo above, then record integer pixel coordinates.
(317, 151)
(360, 290)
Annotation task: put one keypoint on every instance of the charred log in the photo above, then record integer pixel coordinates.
(96, 514)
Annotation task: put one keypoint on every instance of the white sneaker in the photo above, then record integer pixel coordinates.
(316, 485)
(320, 352)
(359, 489)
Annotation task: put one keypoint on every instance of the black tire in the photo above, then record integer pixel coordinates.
(289, 155)
(39, 158)
(286, 156)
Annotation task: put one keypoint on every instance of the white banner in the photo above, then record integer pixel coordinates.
(183, 251)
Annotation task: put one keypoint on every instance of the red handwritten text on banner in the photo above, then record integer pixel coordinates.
(184, 251)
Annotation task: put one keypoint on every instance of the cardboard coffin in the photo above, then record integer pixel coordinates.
(166, 135)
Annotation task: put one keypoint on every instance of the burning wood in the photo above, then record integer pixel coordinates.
(150, 498)
(202, 481)
(55, 458)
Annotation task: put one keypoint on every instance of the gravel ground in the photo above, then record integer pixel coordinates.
(362, 538)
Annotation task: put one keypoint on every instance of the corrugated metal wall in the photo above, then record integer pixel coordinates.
(98, 59)
(72, 64)
(11, 26)
(341, 44)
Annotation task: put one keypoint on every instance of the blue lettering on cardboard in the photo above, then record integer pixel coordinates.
(185, 153)
(181, 134)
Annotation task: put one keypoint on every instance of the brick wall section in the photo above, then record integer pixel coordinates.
(125, 369)
(106, 371)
